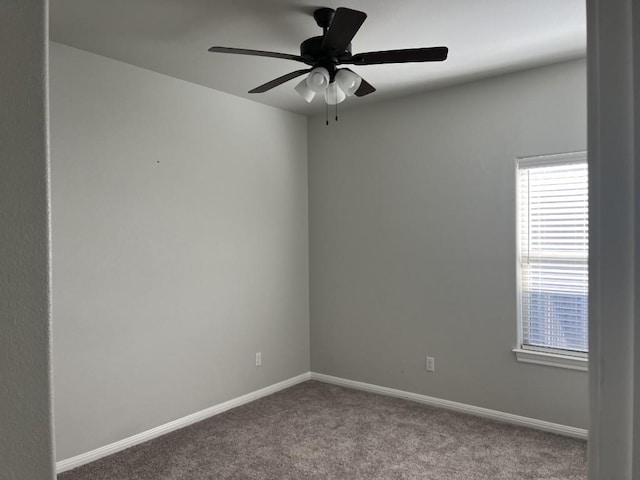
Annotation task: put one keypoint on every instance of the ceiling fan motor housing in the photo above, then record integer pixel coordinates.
(312, 48)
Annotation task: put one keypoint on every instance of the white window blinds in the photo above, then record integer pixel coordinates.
(554, 243)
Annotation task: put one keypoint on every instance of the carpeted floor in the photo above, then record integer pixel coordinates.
(320, 431)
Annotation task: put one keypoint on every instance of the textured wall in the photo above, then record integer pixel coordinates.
(180, 248)
(614, 293)
(25, 401)
(412, 228)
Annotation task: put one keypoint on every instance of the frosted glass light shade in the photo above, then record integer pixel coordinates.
(334, 94)
(348, 81)
(318, 79)
(305, 92)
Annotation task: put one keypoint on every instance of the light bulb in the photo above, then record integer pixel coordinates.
(348, 81)
(305, 92)
(334, 94)
(318, 79)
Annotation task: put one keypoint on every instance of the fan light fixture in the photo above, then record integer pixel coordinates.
(348, 81)
(305, 92)
(318, 81)
(334, 94)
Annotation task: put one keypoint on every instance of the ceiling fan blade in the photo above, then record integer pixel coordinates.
(431, 54)
(260, 53)
(279, 81)
(343, 28)
(365, 89)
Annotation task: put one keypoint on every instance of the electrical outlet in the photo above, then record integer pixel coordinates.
(431, 364)
(258, 359)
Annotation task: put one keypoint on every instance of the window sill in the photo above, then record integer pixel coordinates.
(552, 360)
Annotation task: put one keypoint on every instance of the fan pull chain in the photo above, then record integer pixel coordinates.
(327, 112)
(336, 111)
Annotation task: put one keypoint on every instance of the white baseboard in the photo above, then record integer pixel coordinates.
(458, 407)
(93, 455)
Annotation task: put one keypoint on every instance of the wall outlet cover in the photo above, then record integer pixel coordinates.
(431, 364)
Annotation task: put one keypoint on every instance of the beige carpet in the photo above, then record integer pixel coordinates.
(320, 431)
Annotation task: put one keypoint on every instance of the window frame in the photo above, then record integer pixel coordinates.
(539, 355)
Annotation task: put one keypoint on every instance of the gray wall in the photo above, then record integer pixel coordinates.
(26, 447)
(180, 248)
(412, 228)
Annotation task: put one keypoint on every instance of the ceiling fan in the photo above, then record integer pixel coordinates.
(325, 53)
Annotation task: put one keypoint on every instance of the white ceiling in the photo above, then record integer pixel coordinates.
(484, 37)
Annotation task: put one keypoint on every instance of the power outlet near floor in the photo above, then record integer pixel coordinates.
(431, 364)
(258, 359)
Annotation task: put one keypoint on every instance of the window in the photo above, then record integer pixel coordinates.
(553, 239)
